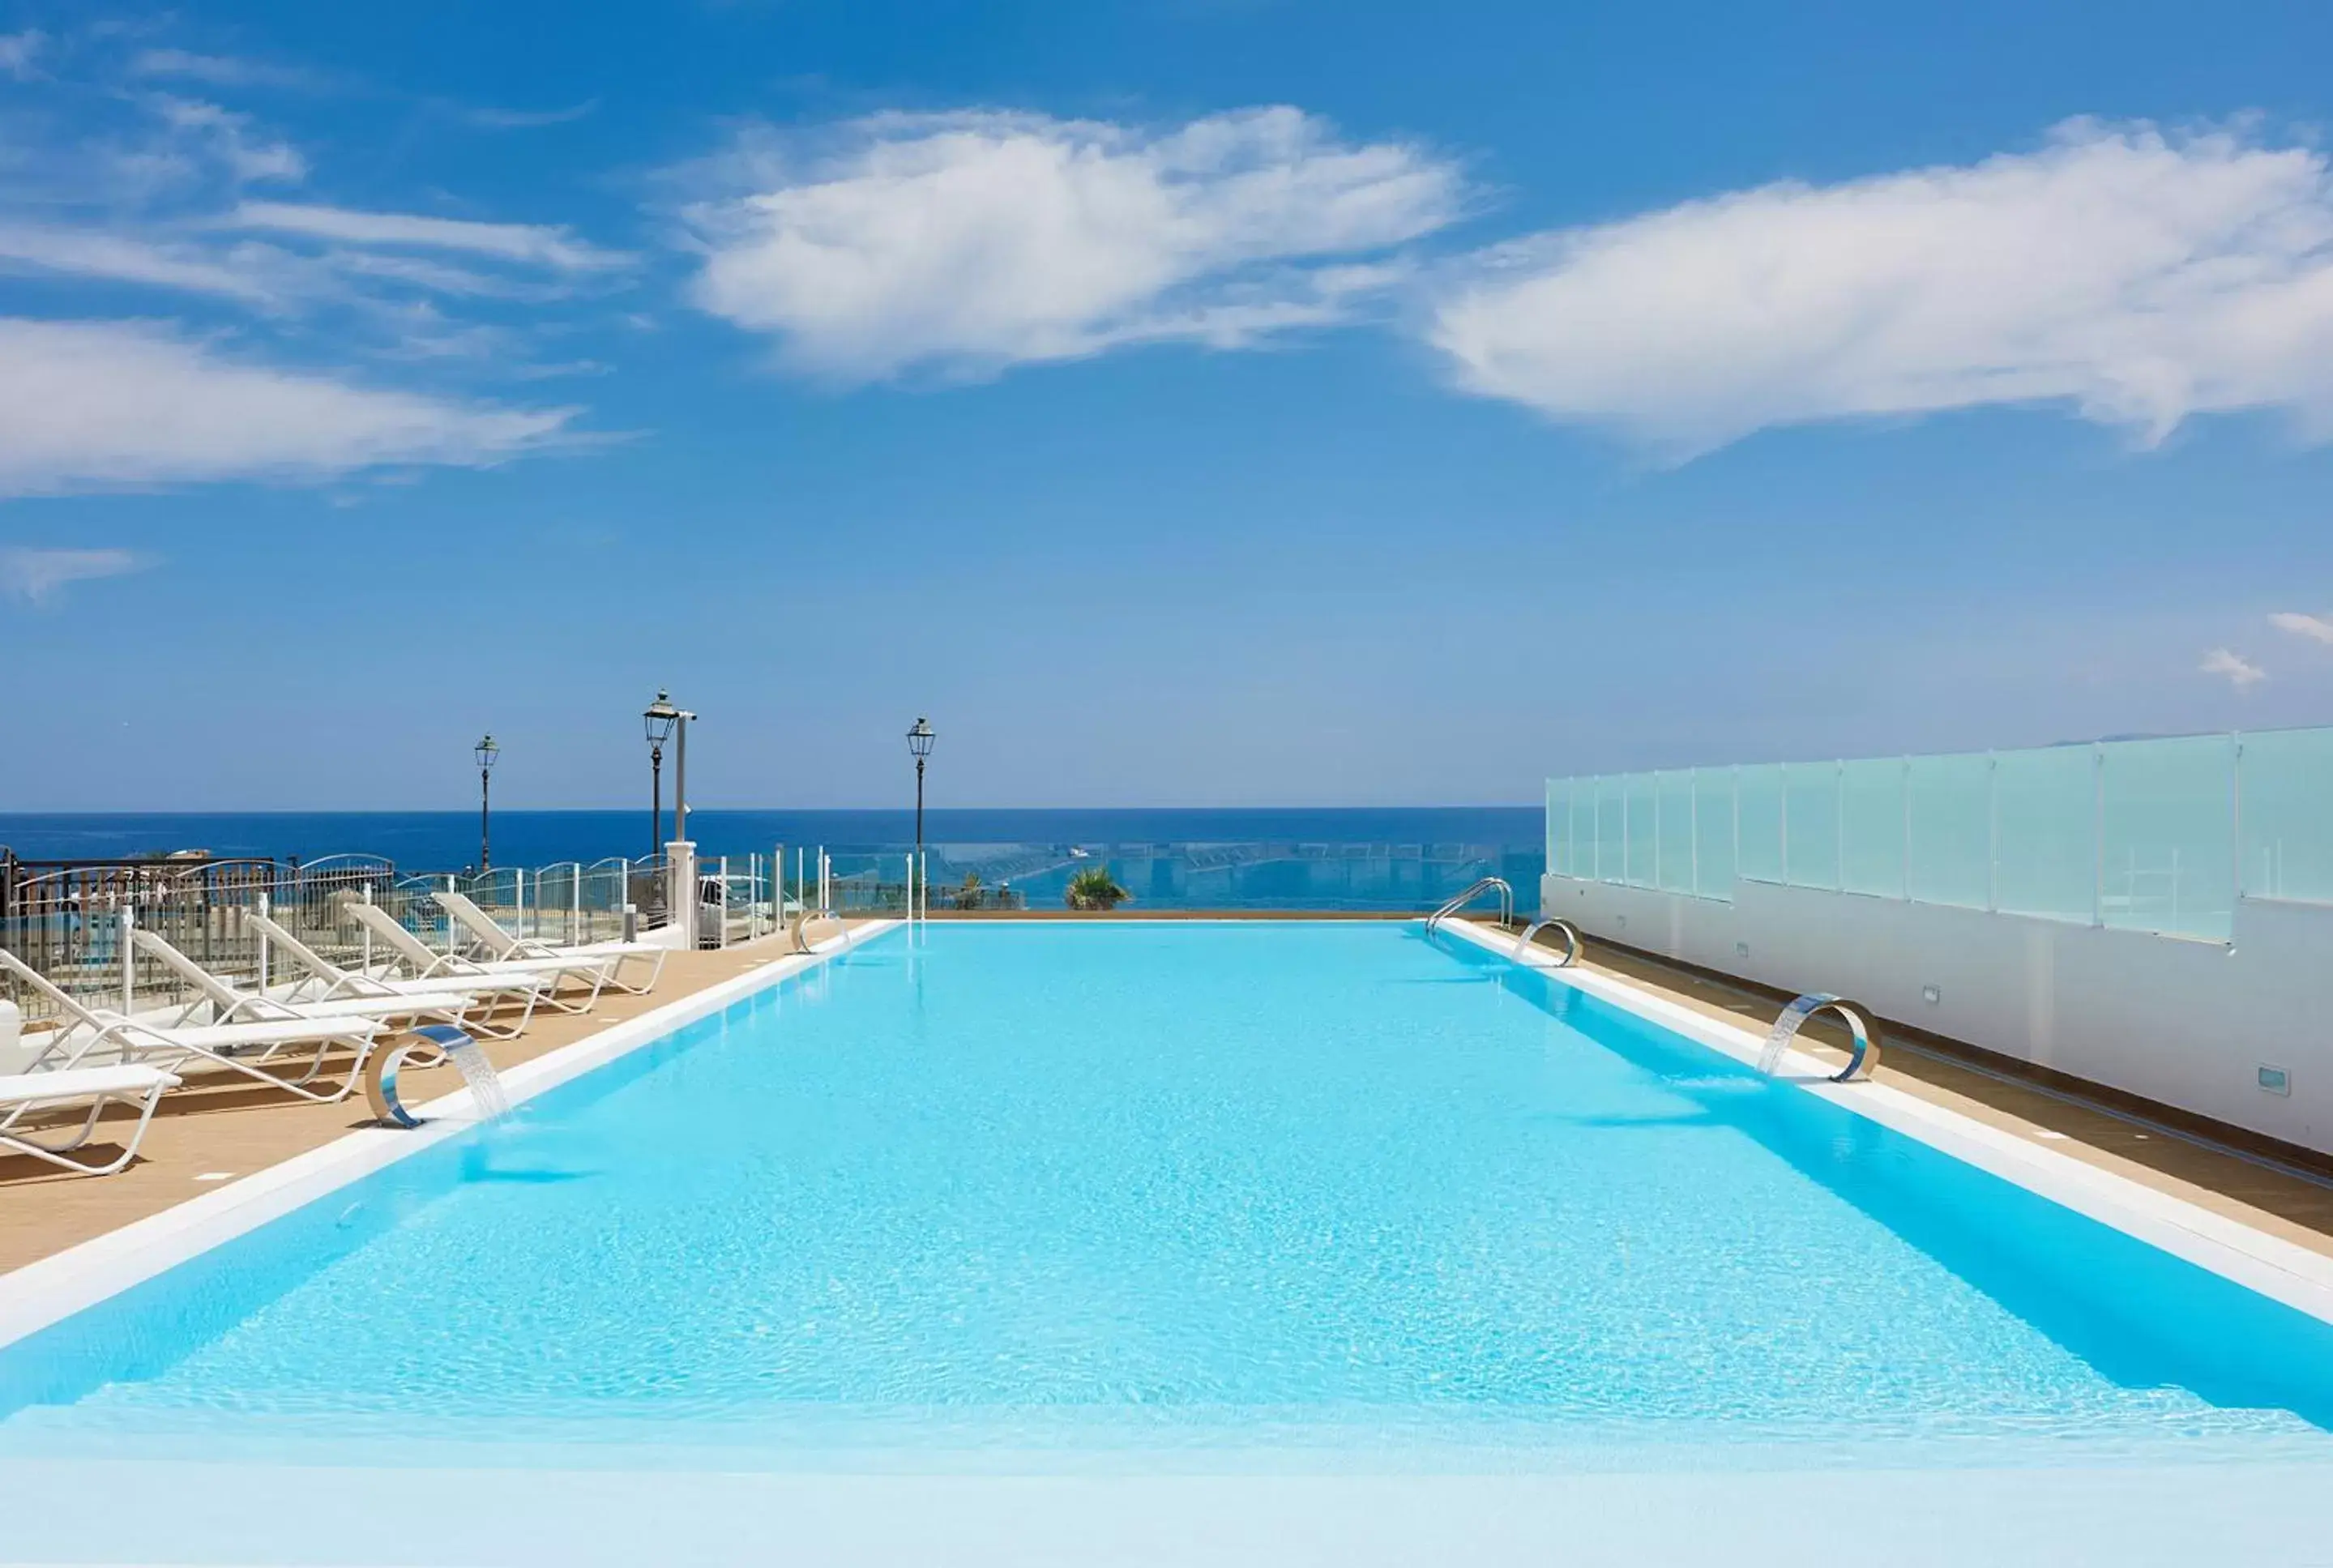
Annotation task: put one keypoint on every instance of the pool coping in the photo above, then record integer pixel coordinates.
(50, 1289)
(2271, 1265)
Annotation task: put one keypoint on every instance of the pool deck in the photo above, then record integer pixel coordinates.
(222, 1126)
(220, 1130)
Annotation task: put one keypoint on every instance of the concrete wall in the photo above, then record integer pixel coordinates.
(2186, 1024)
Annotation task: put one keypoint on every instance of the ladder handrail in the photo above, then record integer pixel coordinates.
(1451, 906)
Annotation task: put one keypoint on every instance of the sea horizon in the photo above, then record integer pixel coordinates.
(448, 840)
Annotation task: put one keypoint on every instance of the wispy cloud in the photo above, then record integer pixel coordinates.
(969, 242)
(528, 120)
(223, 71)
(251, 157)
(538, 243)
(35, 575)
(118, 258)
(2238, 671)
(97, 404)
(2316, 628)
(18, 50)
(2135, 277)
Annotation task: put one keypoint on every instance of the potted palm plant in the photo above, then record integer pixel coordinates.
(1094, 888)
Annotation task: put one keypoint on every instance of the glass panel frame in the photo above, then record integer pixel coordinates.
(1811, 824)
(1872, 817)
(2045, 832)
(1713, 829)
(1758, 821)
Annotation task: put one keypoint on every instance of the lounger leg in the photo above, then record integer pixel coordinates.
(56, 1154)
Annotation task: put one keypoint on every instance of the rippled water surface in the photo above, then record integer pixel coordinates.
(1181, 1182)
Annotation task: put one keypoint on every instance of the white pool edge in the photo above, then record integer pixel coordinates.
(2274, 1267)
(53, 1288)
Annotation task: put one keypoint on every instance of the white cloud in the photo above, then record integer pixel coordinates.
(221, 70)
(119, 258)
(973, 241)
(35, 574)
(2240, 671)
(2314, 627)
(17, 53)
(525, 118)
(538, 243)
(88, 405)
(2138, 278)
(249, 158)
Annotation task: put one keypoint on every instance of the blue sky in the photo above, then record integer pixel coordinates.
(1185, 402)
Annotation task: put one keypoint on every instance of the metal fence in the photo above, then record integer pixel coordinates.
(2163, 835)
(68, 921)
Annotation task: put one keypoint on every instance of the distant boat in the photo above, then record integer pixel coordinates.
(1078, 854)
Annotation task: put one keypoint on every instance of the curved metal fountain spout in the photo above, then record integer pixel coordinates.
(427, 1047)
(1572, 944)
(1854, 1014)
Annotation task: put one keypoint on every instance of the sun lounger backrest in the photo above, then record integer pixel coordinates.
(304, 956)
(151, 943)
(47, 987)
(404, 943)
(479, 924)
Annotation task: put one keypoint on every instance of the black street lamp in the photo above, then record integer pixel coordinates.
(919, 743)
(486, 751)
(660, 716)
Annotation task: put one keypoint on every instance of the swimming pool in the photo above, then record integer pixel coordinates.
(1216, 1197)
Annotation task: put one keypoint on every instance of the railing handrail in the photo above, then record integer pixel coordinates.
(1474, 889)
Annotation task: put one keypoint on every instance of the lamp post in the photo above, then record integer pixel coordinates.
(919, 743)
(660, 716)
(486, 751)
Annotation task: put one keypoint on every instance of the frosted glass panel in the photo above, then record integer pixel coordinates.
(1712, 817)
(1951, 803)
(1871, 827)
(1758, 805)
(1811, 824)
(2167, 835)
(1558, 826)
(1611, 829)
(2045, 812)
(1644, 831)
(1674, 790)
(2288, 816)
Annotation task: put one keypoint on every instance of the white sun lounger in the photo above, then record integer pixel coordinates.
(501, 945)
(231, 1006)
(336, 984)
(425, 964)
(23, 1093)
(172, 1046)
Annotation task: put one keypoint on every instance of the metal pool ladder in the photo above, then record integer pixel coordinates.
(1480, 886)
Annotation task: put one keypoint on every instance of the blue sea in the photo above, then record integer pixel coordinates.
(449, 840)
(1320, 858)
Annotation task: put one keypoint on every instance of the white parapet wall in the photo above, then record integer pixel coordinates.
(2202, 1026)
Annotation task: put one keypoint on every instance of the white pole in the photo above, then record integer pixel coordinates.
(263, 947)
(924, 881)
(367, 960)
(518, 899)
(129, 964)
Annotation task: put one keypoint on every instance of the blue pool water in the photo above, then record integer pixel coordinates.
(1219, 1187)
